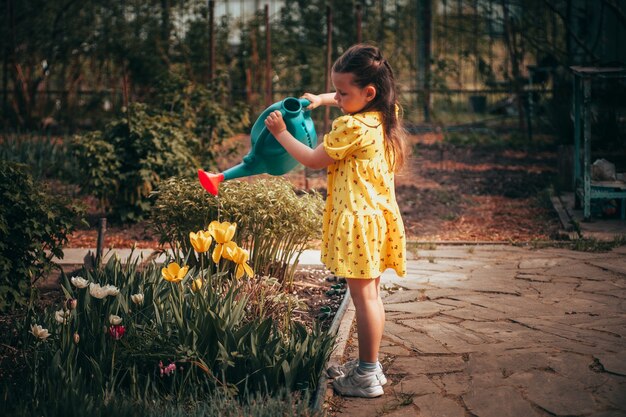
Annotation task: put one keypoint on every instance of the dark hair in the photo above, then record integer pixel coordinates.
(368, 66)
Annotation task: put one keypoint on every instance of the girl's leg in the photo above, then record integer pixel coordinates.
(370, 316)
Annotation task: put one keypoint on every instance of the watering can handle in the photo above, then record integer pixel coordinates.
(305, 103)
(265, 133)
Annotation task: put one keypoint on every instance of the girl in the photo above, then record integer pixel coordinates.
(363, 232)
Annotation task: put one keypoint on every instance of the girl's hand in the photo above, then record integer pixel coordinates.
(275, 123)
(315, 100)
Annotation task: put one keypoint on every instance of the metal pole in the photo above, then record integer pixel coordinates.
(424, 50)
(529, 117)
(102, 228)
(359, 18)
(211, 40)
(211, 64)
(381, 27)
(5, 65)
(577, 132)
(268, 59)
(329, 42)
(587, 147)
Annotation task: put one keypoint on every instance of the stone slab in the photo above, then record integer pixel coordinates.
(614, 363)
(554, 393)
(577, 270)
(454, 337)
(427, 365)
(499, 402)
(456, 383)
(537, 263)
(412, 340)
(418, 308)
(436, 405)
(615, 265)
(415, 384)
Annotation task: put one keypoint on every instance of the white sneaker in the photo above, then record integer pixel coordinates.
(336, 371)
(355, 384)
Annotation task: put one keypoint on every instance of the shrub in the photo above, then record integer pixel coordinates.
(175, 343)
(33, 228)
(125, 162)
(46, 156)
(274, 223)
(204, 111)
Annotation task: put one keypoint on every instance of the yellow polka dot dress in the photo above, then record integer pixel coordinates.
(363, 233)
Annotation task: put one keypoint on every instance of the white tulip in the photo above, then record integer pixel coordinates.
(115, 320)
(111, 290)
(39, 332)
(61, 316)
(137, 298)
(101, 292)
(79, 282)
(97, 291)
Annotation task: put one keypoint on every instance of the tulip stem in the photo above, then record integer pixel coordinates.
(112, 368)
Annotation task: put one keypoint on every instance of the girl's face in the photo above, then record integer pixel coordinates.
(350, 97)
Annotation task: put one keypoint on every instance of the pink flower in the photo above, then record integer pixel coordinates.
(167, 370)
(117, 331)
(71, 303)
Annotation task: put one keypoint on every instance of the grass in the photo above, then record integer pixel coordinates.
(595, 245)
(583, 244)
(218, 404)
(421, 245)
(400, 399)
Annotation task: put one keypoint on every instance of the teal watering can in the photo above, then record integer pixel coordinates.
(267, 155)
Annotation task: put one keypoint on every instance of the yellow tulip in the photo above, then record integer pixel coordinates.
(174, 273)
(196, 285)
(200, 241)
(222, 233)
(228, 248)
(240, 257)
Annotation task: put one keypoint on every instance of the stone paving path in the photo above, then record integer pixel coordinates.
(498, 331)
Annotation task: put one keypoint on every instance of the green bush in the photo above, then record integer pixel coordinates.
(273, 222)
(33, 228)
(125, 162)
(204, 111)
(176, 343)
(46, 156)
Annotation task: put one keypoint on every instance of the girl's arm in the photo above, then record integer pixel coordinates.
(311, 158)
(326, 99)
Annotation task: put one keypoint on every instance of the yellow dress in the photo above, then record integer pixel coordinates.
(363, 233)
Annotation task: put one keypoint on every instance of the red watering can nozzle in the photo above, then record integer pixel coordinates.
(210, 182)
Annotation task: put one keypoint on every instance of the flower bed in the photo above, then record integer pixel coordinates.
(177, 332)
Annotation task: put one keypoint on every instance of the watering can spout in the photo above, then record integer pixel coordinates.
(267, 156)
(210, 182)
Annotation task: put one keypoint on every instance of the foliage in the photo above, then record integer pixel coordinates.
(595, 245)
(274, 223)
(33, 229)
(217, 404)
(203, 111)
(46, 156)
(174, 342)
(124, 163)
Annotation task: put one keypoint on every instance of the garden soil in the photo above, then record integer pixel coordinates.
(445, 193)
